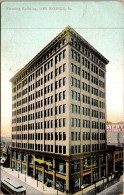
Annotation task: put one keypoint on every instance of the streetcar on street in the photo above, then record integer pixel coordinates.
(9, 186)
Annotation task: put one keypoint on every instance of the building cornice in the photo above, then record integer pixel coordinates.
(88, 45)
(42, 52)
(57, 38)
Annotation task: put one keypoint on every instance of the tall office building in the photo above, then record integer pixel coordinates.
(59, 114)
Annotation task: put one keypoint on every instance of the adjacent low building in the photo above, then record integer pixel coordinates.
(115, 158)
(115, 144)
(59, 114)
(115, 133)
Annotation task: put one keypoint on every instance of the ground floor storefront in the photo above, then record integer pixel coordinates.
(115, 159)
(67, 174)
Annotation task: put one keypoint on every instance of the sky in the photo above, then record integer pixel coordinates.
(27, 27)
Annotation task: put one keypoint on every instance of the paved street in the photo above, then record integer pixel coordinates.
(29, 190)
(115, 189)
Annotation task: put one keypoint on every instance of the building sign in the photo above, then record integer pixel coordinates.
(89, 166)
(42, 162)
(115, 128)
(86, 173)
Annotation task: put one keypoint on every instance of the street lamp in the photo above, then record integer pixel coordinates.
(18, 172)
(37, 176)
(103, 181)
(111, 176)
(25, 176)
(95, 187)
(82, 187)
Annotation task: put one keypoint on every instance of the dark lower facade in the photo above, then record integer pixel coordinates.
(115, 157)
(67, 173)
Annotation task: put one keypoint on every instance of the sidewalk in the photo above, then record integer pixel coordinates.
(32, 182)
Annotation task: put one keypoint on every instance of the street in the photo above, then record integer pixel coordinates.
(115, 189)
(29, 190)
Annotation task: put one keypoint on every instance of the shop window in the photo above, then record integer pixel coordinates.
(13, 165)
(30, 160)
(30, 172)
(95, 175)
(61, 167)
(39, 173)
(14, 155)
(60, 184)
(86, 164)
(17, 166)
(95, 161)
(49, 179)
(87, 180)
(75, 166)
(24, 157)
(75, 184)
(23, 169)
(18, 156)
(103, 171)
(49, 160)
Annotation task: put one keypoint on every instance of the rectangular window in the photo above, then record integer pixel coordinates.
(60, 135)
(60, 122)
(60, 83)
(64, 95)
(64, 149)
(64, 81)
(64, 108)
(63, 54)
(60, 69)
(64, 122)
(64, 135)
(60, 96)
(72, 67)
(64, 67)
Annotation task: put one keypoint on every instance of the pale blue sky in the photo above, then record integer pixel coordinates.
(24, 33)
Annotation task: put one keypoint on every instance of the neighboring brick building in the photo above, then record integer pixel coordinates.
(115, 133)
(59, 114)
(115, 155)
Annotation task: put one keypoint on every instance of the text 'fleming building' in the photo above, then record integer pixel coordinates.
(59, 114)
